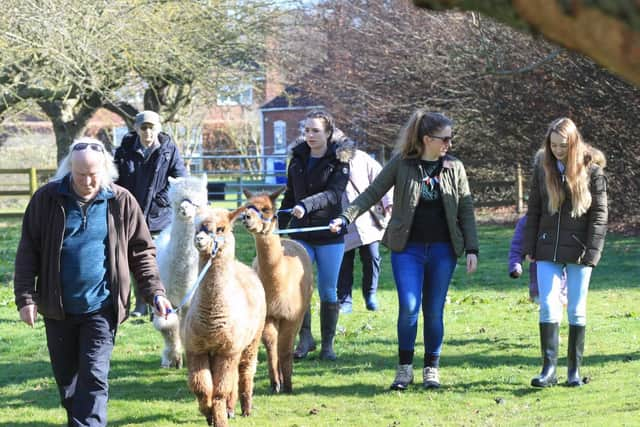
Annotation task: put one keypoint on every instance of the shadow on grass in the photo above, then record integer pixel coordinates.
(29, 424)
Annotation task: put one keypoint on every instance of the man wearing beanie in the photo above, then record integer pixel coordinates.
(146, 159)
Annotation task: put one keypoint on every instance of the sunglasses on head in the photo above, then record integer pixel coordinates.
(84, 145)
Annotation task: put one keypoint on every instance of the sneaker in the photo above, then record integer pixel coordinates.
(346, 308)
(404, 377)
(372, 303)
(139, 311)
(430, 377)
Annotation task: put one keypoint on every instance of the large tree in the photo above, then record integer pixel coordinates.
(382, 60)
(607, 31)
(72, 57)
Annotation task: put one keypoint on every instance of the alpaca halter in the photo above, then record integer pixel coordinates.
(260, 215)
(192, 202)
(218, 241)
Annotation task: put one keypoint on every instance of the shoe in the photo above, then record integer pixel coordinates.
(346, 308)
(404, 377)
(372, 303)
(430, 377)
(139, 311)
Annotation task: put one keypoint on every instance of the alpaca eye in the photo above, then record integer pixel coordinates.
(266, 210)
(220, 230)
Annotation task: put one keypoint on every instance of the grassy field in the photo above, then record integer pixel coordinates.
(489, 356)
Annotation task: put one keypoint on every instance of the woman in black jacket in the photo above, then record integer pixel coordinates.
(316, 178)
(565, 229)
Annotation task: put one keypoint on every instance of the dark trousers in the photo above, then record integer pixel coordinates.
(80, 349)
(370, 260)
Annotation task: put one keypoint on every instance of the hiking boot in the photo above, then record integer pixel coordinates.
(346, 307)
(371, 302)
(140, 310)
(430, 377)
(404, 377)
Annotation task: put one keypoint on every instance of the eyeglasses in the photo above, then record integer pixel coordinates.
(84, 145)
(445, 139)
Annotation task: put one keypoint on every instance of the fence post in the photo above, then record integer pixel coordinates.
(33, 180)
(519, 190)
(239, 192)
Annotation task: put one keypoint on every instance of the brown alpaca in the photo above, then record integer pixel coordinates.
(223, 325)
(286, 272)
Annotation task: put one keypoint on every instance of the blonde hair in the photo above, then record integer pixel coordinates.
(110, 172)
(410, 142)
(579, 157)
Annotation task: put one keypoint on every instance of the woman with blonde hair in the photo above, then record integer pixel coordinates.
(432, 224)
(566, 227)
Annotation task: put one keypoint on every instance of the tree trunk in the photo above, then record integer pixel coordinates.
(69, 119)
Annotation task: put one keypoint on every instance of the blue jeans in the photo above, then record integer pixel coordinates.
(422, 273)
(370, 260)
(328, 259)
(549, 285)
(80, 349)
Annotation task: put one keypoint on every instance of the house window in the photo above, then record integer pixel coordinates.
(235, 95)
(279, 136)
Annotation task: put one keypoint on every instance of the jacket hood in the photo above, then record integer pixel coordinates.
(344, 147)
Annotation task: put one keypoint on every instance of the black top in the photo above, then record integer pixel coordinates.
(316, 184)
(430, 221)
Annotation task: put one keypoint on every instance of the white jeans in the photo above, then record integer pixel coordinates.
(549, 283)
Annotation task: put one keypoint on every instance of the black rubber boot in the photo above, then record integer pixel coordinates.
(574, 355)
(549, 347)
(329, 312)
(306, 343)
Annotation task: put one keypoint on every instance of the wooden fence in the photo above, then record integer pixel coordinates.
(229, 187)
(24, 188)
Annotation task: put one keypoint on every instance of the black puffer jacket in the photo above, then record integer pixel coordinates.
(148, 180)
(560, 237)
(319, 190)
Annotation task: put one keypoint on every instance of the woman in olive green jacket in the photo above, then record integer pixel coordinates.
(432, 224)
(566, 226)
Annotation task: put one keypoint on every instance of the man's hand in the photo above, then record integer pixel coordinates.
(336, 225)
(28, 314)
(472, 263)
(162, 306)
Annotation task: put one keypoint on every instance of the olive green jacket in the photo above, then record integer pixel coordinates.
(405, 177)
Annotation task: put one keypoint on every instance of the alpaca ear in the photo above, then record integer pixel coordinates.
(248, 194)
(233, 215)
(273, 196)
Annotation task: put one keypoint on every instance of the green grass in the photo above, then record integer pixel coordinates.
(489, 356)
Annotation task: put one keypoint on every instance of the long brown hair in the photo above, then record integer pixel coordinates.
(410, 142)
(579, 156)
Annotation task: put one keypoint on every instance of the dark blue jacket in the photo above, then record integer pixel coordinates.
(148, 180)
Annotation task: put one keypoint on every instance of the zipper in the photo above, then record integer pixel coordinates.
(555, 250)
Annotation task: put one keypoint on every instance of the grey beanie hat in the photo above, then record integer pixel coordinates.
(147, 117)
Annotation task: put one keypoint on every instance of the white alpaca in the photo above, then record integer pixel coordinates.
(178, 259)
